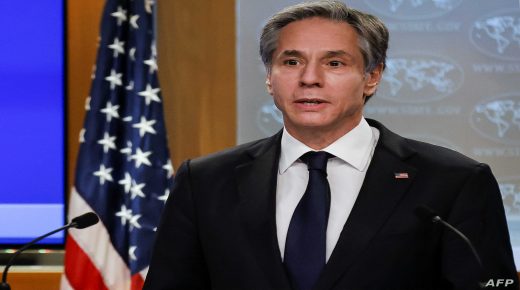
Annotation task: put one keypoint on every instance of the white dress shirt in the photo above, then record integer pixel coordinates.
(346, 173)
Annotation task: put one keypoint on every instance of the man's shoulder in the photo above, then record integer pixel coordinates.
(442, 156)
(422, 153)
(234, 156)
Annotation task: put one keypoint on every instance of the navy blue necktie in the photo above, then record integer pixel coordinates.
(304, 256)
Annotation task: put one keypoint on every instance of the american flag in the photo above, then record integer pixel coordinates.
(123, 171)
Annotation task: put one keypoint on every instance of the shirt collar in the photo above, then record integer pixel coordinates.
(353, 148)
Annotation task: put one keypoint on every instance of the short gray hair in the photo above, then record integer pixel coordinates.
(372, 33)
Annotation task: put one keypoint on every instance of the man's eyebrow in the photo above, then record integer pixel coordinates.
(328, 54)
(334, 53)
(291, 52)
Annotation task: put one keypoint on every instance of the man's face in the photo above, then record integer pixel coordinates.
(317, 77)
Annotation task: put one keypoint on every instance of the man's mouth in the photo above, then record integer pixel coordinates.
(310, 101)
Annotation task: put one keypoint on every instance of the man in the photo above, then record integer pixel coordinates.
(269, 215)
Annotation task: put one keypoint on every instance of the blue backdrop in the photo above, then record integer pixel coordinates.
(32, 175)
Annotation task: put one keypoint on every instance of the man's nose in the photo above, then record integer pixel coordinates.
(311, 75)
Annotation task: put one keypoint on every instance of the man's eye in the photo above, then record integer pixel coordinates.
(335, 63)
(291, 62)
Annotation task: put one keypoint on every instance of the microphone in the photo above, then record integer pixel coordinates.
(84, 221)
(427, 214)
(80, 222)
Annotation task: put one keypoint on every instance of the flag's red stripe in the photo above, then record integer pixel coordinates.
(80, 271)
(137, 282)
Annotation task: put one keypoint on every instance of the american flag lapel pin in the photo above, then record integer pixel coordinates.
(401, 175)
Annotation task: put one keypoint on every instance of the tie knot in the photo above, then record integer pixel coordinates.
(316, 160)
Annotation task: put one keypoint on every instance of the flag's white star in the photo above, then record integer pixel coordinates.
(169, 168)
(148, 5)
(127, 150)
(93, 72)
(104, 174)
(155, 229)
(131, 253)
(141, 157)
(134, 222)
(120, 14)
(111, 111)
(118, 47)
(87, 103)
(82, 135)
(153, 48)
(145, 126)
(130, 86)
(164, 197)
(132, 53)
(133, 21)
(114, 79)
(152, 63)
(125, 214)
(150, 94)
(137, 190)
(107, 142)
(127, 119)
(126, 182)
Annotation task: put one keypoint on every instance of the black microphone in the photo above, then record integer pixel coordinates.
(84, 221)
(80, 222)
(427, 214)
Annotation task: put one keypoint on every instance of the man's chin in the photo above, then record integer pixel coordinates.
(308, 127)
(320, 126)
(308, 124)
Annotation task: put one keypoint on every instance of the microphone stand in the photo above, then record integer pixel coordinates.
(4, 285)
(438, 219)
(79, 222)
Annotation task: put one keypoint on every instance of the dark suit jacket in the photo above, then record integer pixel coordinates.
(218, 230)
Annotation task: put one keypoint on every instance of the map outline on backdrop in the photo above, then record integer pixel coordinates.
(498, 29)
(395, 7)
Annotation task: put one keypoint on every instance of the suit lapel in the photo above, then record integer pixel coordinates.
(377, 199)
(257, 190)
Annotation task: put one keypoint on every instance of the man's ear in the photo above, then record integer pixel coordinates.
(373, 79)
(268, 84)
